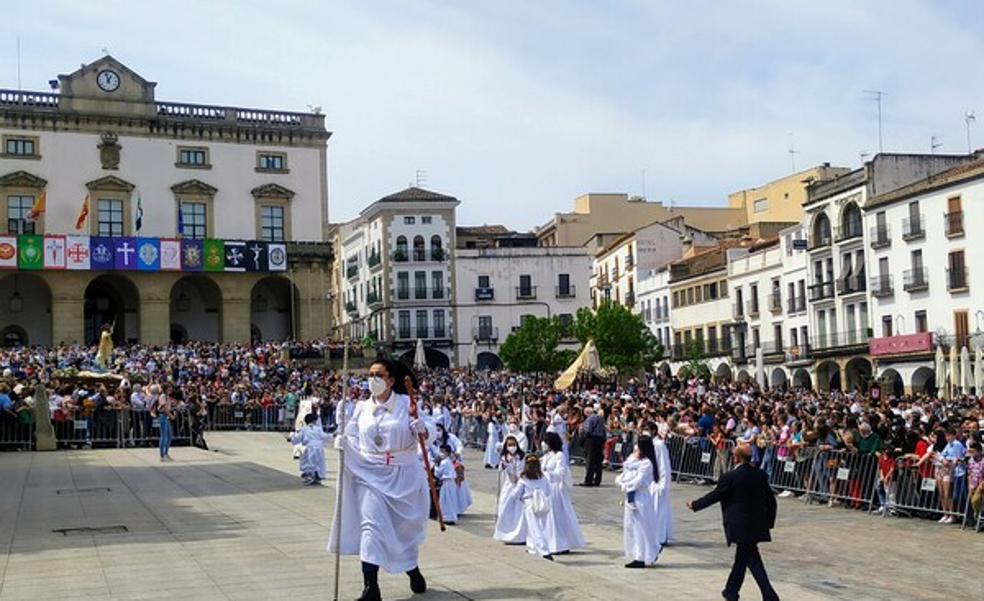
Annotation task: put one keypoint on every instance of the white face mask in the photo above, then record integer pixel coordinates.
(511, 449)
(513, 427)
(544, 447)
(377, 386)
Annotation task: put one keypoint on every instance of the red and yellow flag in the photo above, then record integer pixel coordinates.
(83, 213)
(38, 209)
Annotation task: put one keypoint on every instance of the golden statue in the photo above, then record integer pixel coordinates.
(105, 352)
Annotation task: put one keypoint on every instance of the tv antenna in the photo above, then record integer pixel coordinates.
(18, 64)
(934, 143)
(792, 153)
(864, 156)
(968, 119)
(420, 178)
(877, 95)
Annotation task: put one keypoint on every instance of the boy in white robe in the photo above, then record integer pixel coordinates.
(313, 440)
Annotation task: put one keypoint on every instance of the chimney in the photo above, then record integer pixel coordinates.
(688, 247)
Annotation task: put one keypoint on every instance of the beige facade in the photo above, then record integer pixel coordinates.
(105, 137)
(781, 200)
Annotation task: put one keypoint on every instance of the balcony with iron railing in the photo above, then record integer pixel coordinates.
(487, 335)
(400, 255)
(771, 348)
(375, 260)
(374, 299)
(352, 270)
(881, 236)
(954, 224)
(840, 340)
(956, 279)
(852, 284)
(568, 291)
(796, 304)
(484, 294)
(738, 311)
(743, 354)
(913, 228)
(422, 293)
(915, 280)
(752, 308)
(800, 352)
(775, 302)
(629, 262)
(629, 299)
(525, 292)
(424, 333)
(881, 285)
(351, 308)
(849, 231)
(821, 291)
(820, 240)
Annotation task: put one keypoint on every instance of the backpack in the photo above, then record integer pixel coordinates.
(539, 503)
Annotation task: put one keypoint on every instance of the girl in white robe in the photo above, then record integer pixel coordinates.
(385, 499)
(448, 497)
(558, 424)
(510, 526)
(565, 531)
(639, 522)
(492, 443)
(661, 495)
(534, 491)
(461, 485)
(313, 440)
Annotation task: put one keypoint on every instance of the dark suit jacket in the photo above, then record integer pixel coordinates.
(748, 505)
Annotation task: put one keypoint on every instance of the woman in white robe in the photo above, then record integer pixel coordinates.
(661, 494)
(639, 522)
(510, 526)
(565, 530)
(385, 499)
(448, 497)
(313, 440)
(492, 442)
(534, 491)
(558, 424)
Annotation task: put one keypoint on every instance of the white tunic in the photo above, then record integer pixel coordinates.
(539, 526)
(520, 439)
(313, 439)
(386, 501)
(661, 495)
(444, 471)
(639, 523)
(559, 425)
(492, 444)
(565, 530)
(510, 527)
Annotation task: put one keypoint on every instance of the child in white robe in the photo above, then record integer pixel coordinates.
(492, 442)
(565, 532)
(640, 530)
(534, 490)
(313, 439)
(510, 527)
(448, 497)
(464, 491)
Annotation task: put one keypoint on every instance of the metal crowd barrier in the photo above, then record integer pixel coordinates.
(792, 472)
(251, 417)
(918, 492)
(117, 429)
(697, 459)
(15, 434)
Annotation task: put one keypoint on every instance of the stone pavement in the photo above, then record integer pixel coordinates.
(236, 524)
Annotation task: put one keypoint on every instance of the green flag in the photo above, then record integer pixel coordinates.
(30, 251)
(214, 255)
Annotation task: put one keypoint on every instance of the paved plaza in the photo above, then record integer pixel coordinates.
(237, 524)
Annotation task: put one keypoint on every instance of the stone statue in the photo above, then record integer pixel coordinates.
(104, 355)
(44, 432)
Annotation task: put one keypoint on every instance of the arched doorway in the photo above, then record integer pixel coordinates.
(858, 374)
(820, 232)
(924, 381)
(891, 383)
(25, 310)
(664, 369)
(744, 377)
(196, 310)
(434, 358)
(722, 375)
(801, 379)
(111, 299)
(828, 376)
(778, 379)
(273, 309)
(487, 360)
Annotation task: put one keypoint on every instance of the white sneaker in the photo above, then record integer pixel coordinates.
(942, 520)
(785, 494)
(631, 505)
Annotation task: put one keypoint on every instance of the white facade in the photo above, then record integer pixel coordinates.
(654, 304)
(927, 278)
(497, 287)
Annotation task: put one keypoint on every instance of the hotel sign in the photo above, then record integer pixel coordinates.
(901, 345)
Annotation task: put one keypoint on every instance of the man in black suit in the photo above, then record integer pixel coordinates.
(594, 445)
(749, 510)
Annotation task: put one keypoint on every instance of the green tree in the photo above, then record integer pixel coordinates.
(696, 365)
(623, 340)
(533, 347)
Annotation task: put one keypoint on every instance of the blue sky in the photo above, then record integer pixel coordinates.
(515, 107)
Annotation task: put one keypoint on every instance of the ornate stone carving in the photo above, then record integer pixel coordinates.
(109, 151)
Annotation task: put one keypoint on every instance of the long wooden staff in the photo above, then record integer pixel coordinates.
(338, 502)
(422, 439)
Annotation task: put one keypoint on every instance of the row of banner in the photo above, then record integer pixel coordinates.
(33, 252)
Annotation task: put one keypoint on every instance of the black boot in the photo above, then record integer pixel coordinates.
(417, 582)
(635, 564)
(370, 582)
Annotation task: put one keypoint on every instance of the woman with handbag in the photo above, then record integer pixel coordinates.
(161, 411)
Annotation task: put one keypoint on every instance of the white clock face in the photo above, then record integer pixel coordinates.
(108, 80)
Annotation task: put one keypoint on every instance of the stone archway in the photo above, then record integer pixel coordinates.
(801, 379)
(722, 375)
(857, 374)
(488, 360)
(778, 379)
(743, 377)
(111, 298)
(434, 358)
(25, 309)
(828, 376)
(891, 382)
(273, 308)
(196, 309)
(924, 380)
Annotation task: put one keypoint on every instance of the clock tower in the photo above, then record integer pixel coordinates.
(106, 86)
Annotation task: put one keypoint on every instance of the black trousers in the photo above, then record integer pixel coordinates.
(594, 446)
(747, 556)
